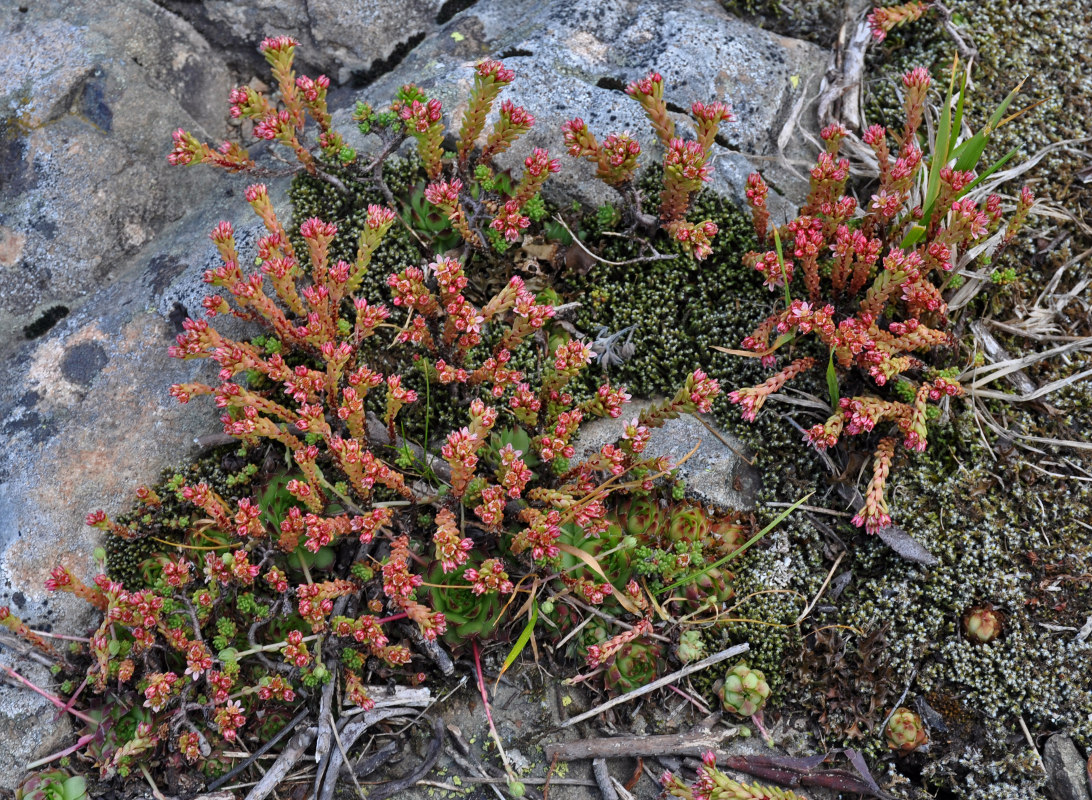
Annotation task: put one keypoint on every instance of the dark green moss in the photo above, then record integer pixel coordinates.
(156, 528)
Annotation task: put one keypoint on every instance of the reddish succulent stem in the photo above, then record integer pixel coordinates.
(51, 698)
(41, 762)
(72, 700)
(394, 618)
(488, 711)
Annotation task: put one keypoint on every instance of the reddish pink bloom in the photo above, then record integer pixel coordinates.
(451, 548)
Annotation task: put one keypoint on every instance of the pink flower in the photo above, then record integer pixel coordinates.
(646, 86)
(496, 71)
(277, 43)
(509, 222)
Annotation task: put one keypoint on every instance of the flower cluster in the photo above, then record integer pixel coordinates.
(686, 163)
(460, 187)
(882, 20)
(286, 579)
(872, 283)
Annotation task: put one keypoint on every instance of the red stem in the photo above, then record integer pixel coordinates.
(85, 739)
(51, 698)
(403, 615)
(488, 712)
(72, 700)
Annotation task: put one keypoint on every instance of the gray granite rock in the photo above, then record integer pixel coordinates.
(348, 40)
(87, 417)
(574, 58)
(89, 95)
(1066, 775)
(718, 472)
(28, 725)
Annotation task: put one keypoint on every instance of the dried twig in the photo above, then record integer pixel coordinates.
(394, 788)
(677, 744)
(1031, 741)
(530, 781)
(385, 697)
(690, 669)
(322, 741)
(344, 756)
(292, 753)
(346, 739)
(796, 772)
(656, 255)
(822, 589)
(608, 618)
(602, 779)
(898, 703)
(261, 751)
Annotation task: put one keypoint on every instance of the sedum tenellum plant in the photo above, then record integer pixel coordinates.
(265, 600)
(685, 168)
(463, 184)
(868, 285)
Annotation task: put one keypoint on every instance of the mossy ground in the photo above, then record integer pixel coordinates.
(1005, 530)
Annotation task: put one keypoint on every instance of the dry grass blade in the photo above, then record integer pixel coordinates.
(1042, 391)
(822, 589)
(983, 415)
(690, 669)
(988, 374)
(1041, 320)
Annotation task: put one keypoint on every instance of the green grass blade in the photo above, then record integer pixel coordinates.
(521, 642)
(947, 131)
(996, 166)
(941, 146)
(968, 153)
(832, 381)
(957, 123)
(914, 235)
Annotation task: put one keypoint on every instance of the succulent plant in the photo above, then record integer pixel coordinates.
(727, 534)
(744, 690)
(691, 646)
(468, 615)
(983, 624)
(688, 523)
(710, 590)
(640, 517)
(905, 731)
(636, 664)
(618, 565)
(52, 785)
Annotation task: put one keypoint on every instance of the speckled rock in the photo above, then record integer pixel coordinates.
(717, 472)
(575, 57)
(1066, 769)
(351, 41)
(89, 95)
(27, 726)
(86, 417)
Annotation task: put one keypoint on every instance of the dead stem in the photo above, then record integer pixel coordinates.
(690, 669)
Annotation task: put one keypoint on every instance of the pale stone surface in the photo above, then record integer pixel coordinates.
(89, 95)
(717, 473)
(574, 58)
(349, 40)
